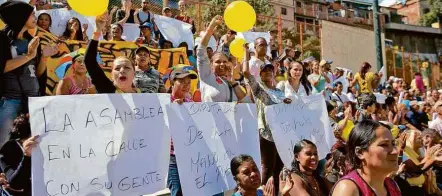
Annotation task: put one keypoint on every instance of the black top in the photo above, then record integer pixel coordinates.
(17, 167)
(121, 14)
(102, 83)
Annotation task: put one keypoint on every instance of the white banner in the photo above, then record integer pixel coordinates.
(60, 18)
(175, 31)
(100, 145)
(304, 118)
(131, 32)
(250, 38)
(206, 136)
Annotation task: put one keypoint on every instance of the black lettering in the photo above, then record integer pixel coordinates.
(81, 153)
(95, 183)
(123, 186)
(128, 114)
(138, 115)
(90, 118)
(46, 124)
(64, 189)
(151, 112)
(91, 152)
(135, 183)
(47, 191)
(194, 109)
(122, 147)
(67, 154)
(109, 152)
(117, 116)
(194, 134)
(67, 122)
(201, 183)
(160, 111)
(50, 152)
(142, 145)
(106, 116)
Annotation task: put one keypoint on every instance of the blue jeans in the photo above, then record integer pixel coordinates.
(9, 109)
(173, 178)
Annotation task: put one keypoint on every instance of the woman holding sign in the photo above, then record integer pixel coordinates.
(123, 69)
(265, 93)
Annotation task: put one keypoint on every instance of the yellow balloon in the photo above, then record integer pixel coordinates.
(240, 16)
(347, 129)
(237, 47)
(2, 25)
(89, 7)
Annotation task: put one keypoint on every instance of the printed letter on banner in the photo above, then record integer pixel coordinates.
(114, 144)
(206, 136)
(304, 118)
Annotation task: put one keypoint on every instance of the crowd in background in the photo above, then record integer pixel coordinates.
(393, 149)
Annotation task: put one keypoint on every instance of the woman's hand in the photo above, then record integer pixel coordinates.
(269, 188)
(285, 185)
(85, 27)
(179, 101)
(348, 113)
(29, 144)
(101, 21)
(287, 101)
(33, 47)
(216, 21)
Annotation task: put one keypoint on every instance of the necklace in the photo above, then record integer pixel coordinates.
(314, 185)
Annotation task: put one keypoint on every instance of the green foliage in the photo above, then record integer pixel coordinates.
(435, 13)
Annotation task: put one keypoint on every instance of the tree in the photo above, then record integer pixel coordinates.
(217, 7)
(435, 14)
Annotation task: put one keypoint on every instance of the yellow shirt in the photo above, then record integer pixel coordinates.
(365, 84)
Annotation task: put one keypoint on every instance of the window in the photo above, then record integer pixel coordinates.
(426, 10)
(283, 11)
(298, 4)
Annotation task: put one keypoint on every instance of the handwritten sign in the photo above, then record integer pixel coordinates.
(206, 136)
(304, 118)
(114, 144)
(60, 18)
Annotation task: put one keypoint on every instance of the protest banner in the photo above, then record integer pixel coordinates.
(175, 31)
(250, 37)
(161, 59)
(206, 136)
(115, 144)
(60, 18)
(131, 31)
(305, 118)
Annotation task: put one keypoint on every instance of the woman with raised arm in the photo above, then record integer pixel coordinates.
(265, 93)
(318, 78)
(214, 85)
(123, 69)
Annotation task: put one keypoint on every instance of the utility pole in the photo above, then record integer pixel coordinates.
(377, 35)
(165, 3)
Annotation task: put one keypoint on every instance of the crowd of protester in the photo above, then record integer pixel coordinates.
(393, 149)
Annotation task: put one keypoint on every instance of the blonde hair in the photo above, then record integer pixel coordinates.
(124, 58)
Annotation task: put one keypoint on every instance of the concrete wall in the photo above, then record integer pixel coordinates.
(348, 46)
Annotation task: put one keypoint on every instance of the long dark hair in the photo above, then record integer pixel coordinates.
(78, 34)
(364, 69)
(296, 169)
(362, 135)
(304, 81)
(50, 19)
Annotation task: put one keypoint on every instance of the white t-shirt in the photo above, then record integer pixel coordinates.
(288, 90)
(351, 97)
(255, 66)
(342, 98)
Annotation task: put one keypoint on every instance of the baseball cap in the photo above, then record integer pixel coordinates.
(166, 8)
(263, 66)
(146, 25)
(181, 73)
(141, 48)
(324, 62)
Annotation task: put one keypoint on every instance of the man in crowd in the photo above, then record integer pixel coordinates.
(143, 15)
(260, 57)
(146, 39)
(167, 12)
(437, 122)
(183, 16)
(415, 117)
(433, 98)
